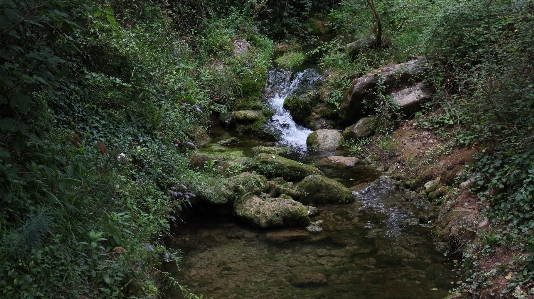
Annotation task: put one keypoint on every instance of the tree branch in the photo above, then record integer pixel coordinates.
(25, 17)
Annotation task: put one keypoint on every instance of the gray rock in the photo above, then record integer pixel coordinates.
(361, 44)
(324, 140)
(363, 128)
(409, 99)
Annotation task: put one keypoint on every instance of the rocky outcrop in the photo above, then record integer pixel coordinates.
(271, 212)
(324, 140)
(362, 129)
(272, 166)
(357, 100)
(320, 189)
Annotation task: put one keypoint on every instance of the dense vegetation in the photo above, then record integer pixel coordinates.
(101, 103)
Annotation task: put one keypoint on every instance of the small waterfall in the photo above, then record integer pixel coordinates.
(281, 84)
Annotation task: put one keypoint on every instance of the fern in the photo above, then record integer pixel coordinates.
(30, 235)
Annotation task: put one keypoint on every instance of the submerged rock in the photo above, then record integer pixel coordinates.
(320, 189)
(287, 235)
(271, 212)
(308, 279)
(272, 166)
(315, 227)
(324, 140)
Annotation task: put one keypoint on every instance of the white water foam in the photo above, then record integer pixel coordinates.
(279, 87)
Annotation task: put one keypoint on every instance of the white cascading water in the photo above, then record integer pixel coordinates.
(279, 86)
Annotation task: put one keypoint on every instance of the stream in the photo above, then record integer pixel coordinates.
(372, 248)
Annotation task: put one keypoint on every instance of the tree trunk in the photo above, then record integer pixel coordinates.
(378, 23)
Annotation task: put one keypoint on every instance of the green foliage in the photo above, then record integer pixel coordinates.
(291, 60)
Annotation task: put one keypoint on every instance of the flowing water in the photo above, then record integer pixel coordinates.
(373, 248)
(281, 84)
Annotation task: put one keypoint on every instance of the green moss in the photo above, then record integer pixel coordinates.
(310, 141)
(291, 59)
(301, 106)
(320, 189)
(276, 166)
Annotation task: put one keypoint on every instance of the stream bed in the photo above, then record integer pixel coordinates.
(375, 247)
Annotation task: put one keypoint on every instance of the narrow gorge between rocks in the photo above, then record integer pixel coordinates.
(375, 247)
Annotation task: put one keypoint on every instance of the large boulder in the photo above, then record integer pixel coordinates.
(324, 140)
(320, 189)
(272, 165)
(357, 100)
(362, 129)
(271, 212)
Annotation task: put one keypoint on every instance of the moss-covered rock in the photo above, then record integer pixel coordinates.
(320, 189)
(246, 117)
(272, 166)
(247, 182)
(276, 150)
(301, 105)
(279, 188)
(271, 212)
(211, 190)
